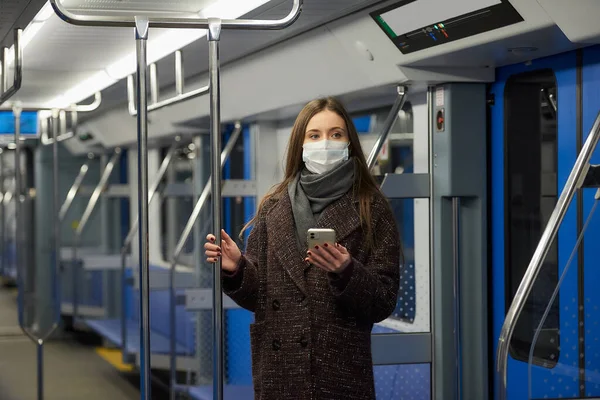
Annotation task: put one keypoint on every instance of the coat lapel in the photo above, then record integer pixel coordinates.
(282, 233)
(342, 216)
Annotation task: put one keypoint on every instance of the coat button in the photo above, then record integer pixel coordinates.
(303, 341)
(276, 344)
(276, 305)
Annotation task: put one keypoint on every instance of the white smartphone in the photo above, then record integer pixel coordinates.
(317, 237)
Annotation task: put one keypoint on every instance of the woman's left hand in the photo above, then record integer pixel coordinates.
(329, 257)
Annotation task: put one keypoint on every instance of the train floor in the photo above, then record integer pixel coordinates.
(72, 368)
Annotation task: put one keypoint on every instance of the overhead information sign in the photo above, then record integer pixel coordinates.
(29, 123)
(410, 17)
(415, 25)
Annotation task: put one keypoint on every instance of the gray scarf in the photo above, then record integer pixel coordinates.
(311, 193)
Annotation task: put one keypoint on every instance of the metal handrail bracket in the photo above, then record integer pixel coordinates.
(387, 126)
(179, 249)
(7, 93)
(179, 97)
(574, 182)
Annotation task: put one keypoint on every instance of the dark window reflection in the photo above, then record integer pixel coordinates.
(530, 197)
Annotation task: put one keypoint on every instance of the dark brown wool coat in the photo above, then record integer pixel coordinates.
(311, 339)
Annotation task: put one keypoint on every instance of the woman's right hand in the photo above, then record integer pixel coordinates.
(228, 251)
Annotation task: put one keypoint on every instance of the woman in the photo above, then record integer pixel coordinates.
(315, 308)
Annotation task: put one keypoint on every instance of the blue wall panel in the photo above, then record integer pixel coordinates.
(238, 360)
(564, 68)
(591, 106)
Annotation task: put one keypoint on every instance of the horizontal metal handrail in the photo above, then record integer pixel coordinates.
(154, 89)
(72, 108)
(574, 182)
(7, 93)
(163, 19)
(387, 126)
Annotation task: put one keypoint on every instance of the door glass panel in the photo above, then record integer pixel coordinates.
(407, 382)
(575, 370)
(531, 194)
(412, 309)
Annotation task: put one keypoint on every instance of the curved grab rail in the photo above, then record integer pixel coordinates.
(93, 106)
(176, 20)
(7, 93)
(574, 182)
(387, 126)
(179, 85)
(60, 117)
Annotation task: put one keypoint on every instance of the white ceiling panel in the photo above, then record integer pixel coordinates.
(62, 47)
(131, 6)
(62, 55)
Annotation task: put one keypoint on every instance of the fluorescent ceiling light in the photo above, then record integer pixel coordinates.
(83, 90)
(158, 47)
(230, 9)
(175, 39)
(167, 43)
(45, 13)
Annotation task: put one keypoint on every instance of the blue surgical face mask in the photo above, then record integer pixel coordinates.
(324, 155)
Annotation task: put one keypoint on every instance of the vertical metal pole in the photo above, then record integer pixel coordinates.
(20, 281)
(179, 77)
(17, 194)
(124, 284)
(141, 37)
(5, 82)
(3, 215)
(432, 161)
(57, 221)
(457, 304)
(40, 369)
(214, 33)
(75, 276)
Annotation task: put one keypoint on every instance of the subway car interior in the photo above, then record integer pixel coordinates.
(129, 130)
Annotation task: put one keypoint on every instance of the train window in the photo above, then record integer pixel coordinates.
(530, 196)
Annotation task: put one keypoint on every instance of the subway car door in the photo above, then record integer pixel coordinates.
(534, 145)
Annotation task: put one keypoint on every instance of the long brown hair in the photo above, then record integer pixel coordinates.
(364, 187)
